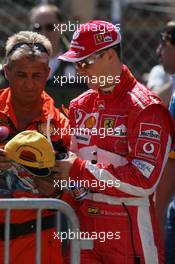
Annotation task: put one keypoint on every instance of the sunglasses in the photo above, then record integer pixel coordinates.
(47, 27)
(88, 61)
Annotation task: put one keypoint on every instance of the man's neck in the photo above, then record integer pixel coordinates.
(19, 104)
(25, 114)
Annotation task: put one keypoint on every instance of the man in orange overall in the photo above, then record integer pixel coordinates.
(25, 106)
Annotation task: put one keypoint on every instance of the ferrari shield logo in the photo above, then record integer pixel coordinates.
(109, 123)
(99, 38)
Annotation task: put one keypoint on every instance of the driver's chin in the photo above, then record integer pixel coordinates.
(100, 87)
(94, 86)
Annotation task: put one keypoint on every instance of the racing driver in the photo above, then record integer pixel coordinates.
(129, 157)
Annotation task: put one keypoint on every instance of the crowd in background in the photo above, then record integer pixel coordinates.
(160, 80)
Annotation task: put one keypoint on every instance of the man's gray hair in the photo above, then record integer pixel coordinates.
(27, 44)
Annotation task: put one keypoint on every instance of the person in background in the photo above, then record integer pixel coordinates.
(24, 105)
(166, 53)
(128, 157)
(160, 83)
(42, 19)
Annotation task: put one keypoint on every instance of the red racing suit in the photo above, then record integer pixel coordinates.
(122, 139)
(22, 247)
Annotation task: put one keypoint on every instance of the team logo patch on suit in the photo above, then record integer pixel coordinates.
(93, 210)
(109, 123)
(147, 149)
(86, 120)
(150, 131)
(116, 123)
(120, 129)
(90, 122)
(100, 104)
(144, 167)
(85, 124)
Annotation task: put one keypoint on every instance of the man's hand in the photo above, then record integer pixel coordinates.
(63, 167)
(45, 186)
(5, 162)
(59, 172)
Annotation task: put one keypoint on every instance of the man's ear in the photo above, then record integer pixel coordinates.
(6, 71)
(110, 53)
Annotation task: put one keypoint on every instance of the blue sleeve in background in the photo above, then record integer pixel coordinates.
(172, 106)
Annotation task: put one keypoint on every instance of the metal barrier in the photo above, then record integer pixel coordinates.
(39, 204)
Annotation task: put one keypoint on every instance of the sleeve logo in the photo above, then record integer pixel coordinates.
(151, 131)
(144, 167)
(147, 149)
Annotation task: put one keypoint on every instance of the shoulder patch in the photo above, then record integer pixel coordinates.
(142, 96)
